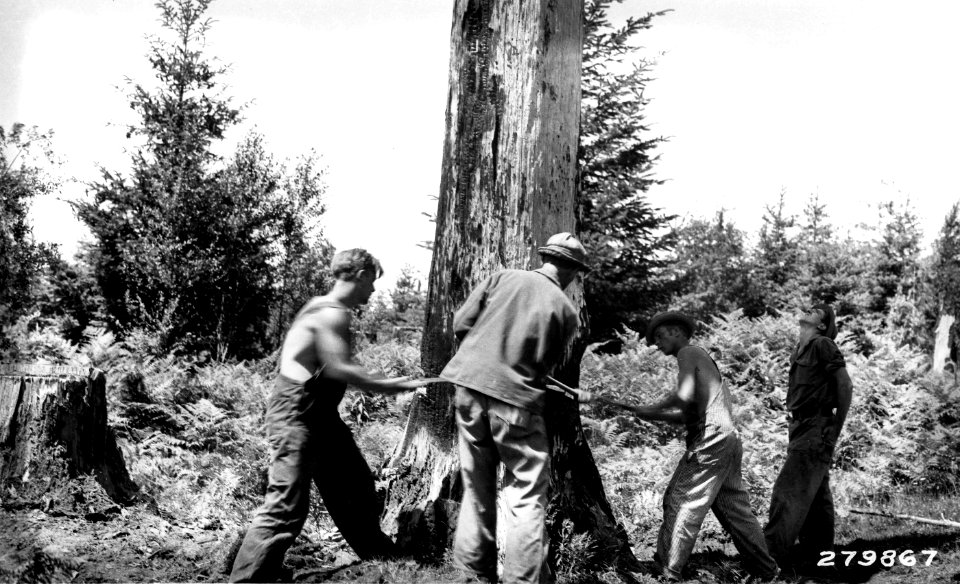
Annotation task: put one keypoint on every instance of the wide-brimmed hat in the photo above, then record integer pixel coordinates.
(670, 317)
(568, 248)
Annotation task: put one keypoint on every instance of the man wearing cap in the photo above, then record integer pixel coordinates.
(512, 329)
(819, 392)
(709, 474)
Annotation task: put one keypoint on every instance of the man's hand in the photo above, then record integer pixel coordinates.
(581, 396)
(405, 383)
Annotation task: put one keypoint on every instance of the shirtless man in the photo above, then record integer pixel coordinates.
(307, 437)
(709, 475)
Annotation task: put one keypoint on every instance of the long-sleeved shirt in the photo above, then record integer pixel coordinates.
(514, 328)
(811, 369)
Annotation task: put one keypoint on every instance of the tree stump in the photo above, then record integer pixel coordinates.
(53, 431)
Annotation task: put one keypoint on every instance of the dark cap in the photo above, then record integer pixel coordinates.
(670, 317)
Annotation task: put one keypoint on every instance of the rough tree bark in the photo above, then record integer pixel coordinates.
(508, 182)
(53, 429)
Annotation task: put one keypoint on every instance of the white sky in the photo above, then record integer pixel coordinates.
(854, 100)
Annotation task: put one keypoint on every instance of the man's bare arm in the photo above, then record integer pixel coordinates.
(667, 410)
(331, 334)
(677, 406)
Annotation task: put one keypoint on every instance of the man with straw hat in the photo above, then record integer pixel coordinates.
(708, 476)
(513, 329)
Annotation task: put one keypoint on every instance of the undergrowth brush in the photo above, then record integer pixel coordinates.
(192, 433)
(902, 432)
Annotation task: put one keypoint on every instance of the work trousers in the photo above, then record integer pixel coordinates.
(801, 507)
(491, 432)
(308, 440)
(709, 477)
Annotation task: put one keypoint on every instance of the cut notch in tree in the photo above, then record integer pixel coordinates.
(53, 429)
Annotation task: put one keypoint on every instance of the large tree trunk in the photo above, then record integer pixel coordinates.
(508, 182)
(53, 430)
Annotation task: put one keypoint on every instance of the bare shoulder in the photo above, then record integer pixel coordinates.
(323, 312)
(692, 353)
(697, 357)
(332, 316)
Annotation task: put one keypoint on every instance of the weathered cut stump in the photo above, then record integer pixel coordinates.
(424, 486)
(53, 429)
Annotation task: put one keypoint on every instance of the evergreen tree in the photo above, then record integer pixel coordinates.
(152, 229)
(777, 258)
(816, 230)
(898, 250)
(709, 274)
(827, 270)
(206, 258)
(625, 236)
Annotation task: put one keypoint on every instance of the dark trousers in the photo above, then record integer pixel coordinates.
(801, 522)
(307, 442)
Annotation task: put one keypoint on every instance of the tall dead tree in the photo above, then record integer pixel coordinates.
(508, 182)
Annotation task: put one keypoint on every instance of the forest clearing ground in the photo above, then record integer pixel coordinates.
(138, 545)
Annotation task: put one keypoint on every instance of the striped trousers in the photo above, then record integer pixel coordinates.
(709, 478)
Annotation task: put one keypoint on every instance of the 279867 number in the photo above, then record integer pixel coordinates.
(887, 558)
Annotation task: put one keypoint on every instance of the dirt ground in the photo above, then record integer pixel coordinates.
(138, 544)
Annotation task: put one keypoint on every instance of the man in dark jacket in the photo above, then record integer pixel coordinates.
(513, 329)
(818, 398)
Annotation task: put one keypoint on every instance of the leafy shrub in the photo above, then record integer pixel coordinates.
(574, 554)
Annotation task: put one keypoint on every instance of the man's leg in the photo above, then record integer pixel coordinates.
(732, 508)
(817, 533)
(793, 493)
(475, 542)
(279, 520)
(349, 492)
(687, 500)
(521, 439)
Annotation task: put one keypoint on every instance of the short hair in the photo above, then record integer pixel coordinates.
(347, 264)
(676, 325)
